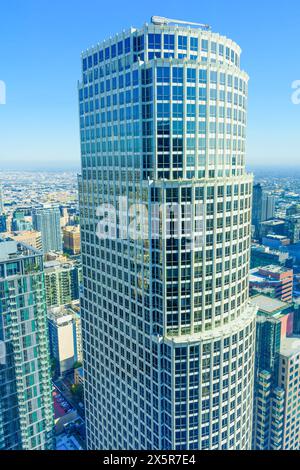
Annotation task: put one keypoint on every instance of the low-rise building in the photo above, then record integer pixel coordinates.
(276, 281)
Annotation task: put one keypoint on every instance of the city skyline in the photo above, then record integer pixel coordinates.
(149, 230)
(43, 104)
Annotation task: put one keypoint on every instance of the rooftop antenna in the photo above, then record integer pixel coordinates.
(160, 20)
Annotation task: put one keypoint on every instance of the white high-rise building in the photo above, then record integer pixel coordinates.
(168, 333)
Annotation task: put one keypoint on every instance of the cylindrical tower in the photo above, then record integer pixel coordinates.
(172, 121)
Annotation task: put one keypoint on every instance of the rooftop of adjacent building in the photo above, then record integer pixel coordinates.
(269, 305)
(273, 236)
(64, 442)
(273, 222)
(273, 273)
(57, 264)
(64, 313)
(10, 249)
(290, 346)
(72, 228)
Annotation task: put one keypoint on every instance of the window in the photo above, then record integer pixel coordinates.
(177, 75)
(194, 44)
(169, 43)
(163, 74)
(191, 75)
(204, 45)
(154, 41)
(182, 42)
(202, 76)
(127, 45)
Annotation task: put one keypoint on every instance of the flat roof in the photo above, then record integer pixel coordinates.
(290, 346)
(11, 249)
(268, 304)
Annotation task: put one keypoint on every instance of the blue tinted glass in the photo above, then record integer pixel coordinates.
(135, 77)
(84, 64)
(191, 75)
(154, 41)
(107, 53)
(182, 42)
(163, 74)
(127, 45)
(95, 58)
(213, 77)
(194, 44)
(127, 79)
(90, 61)
(120, 47)
(177, 75)
(169, 42)
(202, 76)
(101, 56)
(163, 92)
(204, 45)
(178, 93)
(113, 51)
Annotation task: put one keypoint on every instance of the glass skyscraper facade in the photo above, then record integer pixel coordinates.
(26, 409)
(168, 332)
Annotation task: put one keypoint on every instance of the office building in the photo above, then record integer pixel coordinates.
(46, 220)
(26, 415)
(168, 333)
(276, 281)
(71, 239)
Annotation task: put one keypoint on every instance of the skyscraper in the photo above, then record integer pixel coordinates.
(46, 220)
(26, 414)
(168, 332)
(263, 208)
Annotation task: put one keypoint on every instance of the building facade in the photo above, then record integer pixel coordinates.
(26, 414)
(62, 282)
(168, 333)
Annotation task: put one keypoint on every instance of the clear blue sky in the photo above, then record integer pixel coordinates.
(40, 46)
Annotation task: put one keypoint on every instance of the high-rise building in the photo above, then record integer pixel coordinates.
(1, 200)
(26, 414)
(3, 223)
(263, 208)
(46, 220)
(168, 332)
